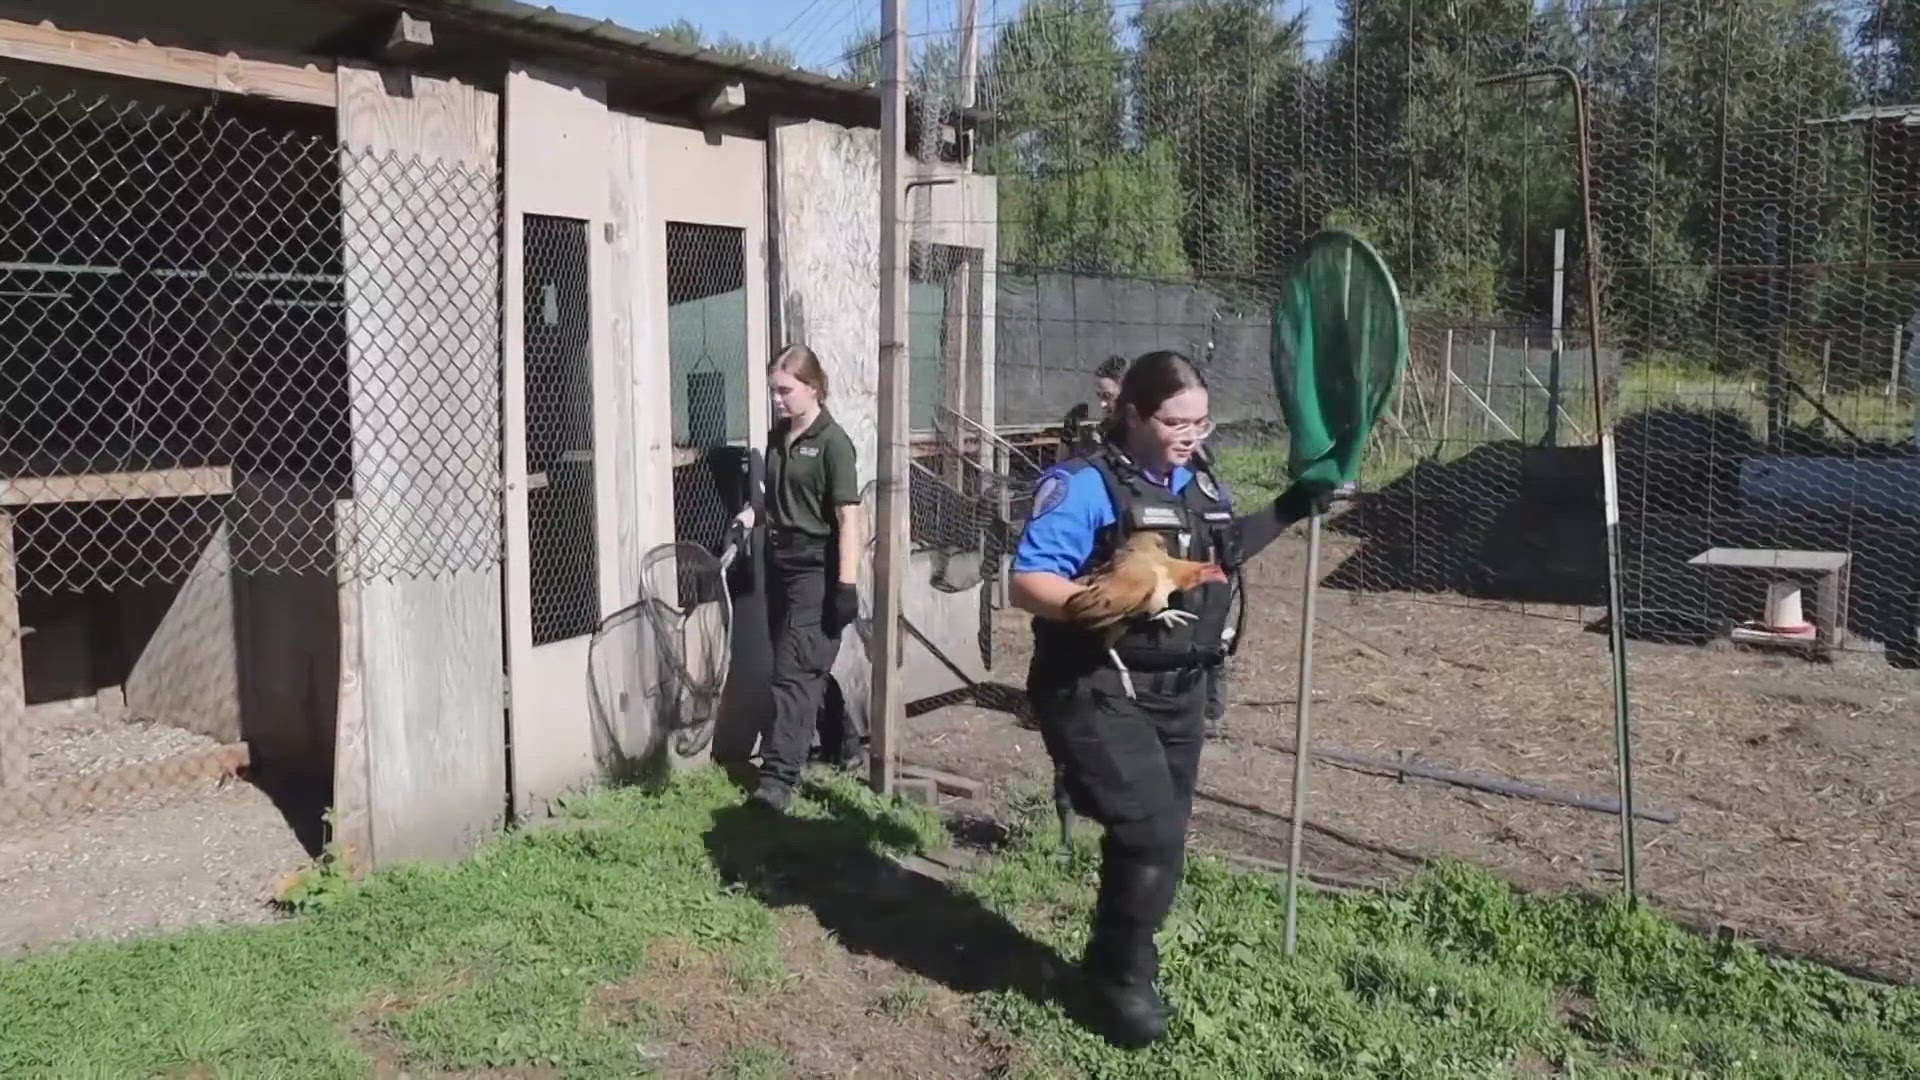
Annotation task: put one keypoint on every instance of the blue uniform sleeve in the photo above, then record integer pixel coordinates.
(1070, 506)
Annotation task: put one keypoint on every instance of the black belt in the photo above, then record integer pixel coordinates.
(1162, 663)
(782, 537)
(1174, 681)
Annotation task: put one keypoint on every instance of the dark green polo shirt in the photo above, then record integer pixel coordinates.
(809, 480)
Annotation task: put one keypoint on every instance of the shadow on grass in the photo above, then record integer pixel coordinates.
(876, 906)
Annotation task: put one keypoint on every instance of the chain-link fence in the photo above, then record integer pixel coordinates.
(225, 346)
(1755, 186)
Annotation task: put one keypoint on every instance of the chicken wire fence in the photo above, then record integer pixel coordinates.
(1755, 192)
(236, 365)
(1755, 183)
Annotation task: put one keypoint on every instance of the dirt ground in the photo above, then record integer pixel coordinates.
(830, 1013)
(163, 862)
(1796, 783)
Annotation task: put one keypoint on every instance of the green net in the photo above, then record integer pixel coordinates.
(1339, 345)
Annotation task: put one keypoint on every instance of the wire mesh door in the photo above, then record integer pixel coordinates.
(556, 592)
(707, 333)
(562, 561)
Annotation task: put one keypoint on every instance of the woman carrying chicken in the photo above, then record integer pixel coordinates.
(1124, 724)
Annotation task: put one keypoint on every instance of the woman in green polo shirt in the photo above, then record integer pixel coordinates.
(814, 540)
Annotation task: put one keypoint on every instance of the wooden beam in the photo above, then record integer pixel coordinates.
(888, 695)
(13, 687)
(117, 487)
(352, 785)
(946, 782)
(409, 37)
(721, 100)
(229, 74)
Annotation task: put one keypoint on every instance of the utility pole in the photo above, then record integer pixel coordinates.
(887, 705)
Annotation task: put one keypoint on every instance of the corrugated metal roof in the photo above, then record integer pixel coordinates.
(605, 32)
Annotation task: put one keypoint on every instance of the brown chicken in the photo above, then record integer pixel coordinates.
(1140, 580)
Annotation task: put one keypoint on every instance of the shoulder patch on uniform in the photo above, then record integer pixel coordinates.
(1207, 485)
(1051, 492)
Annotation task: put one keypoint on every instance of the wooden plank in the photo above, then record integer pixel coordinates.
(1822, 562)
(1485, 409)
(951, 783)
(892, 543)
(117, 486)
(14, 750)
(422, 352)
(186, 674)
(639, 405)
(46, 44)
(352, 793)
(640, 387)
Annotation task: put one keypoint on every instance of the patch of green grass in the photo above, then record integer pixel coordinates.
(1257, 474)
(513, 960)
(490, 964)
(755, 1063)
(902, 1002)
(1869, 413)
(1455, 975)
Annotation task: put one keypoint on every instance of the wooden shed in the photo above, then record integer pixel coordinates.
(355, 353)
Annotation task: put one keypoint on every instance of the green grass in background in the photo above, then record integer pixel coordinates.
(1256, 473)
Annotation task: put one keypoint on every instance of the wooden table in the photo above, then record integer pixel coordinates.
(1831, 571)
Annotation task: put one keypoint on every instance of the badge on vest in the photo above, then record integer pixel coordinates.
(1157, 517)
(1207, 486)
(807, 451)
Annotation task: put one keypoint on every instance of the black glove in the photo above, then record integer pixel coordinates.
(1303, 500)
(1254, 532)
(843, 607)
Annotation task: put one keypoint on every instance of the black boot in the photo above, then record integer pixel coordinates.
(1128, 1009)
(1122, 962)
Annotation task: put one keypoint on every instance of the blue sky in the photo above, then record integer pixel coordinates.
(816, 29)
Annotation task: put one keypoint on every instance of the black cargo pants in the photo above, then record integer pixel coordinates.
(804, 570)
(1131, 765)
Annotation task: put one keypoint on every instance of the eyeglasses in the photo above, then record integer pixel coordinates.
(1198, 429)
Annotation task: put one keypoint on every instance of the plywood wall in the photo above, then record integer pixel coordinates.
(826, 184)
(826, 190)
(423, 360)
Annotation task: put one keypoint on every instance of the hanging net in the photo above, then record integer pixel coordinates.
(1339, 345)
(659, 666)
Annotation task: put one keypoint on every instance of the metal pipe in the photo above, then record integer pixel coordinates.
(1566, 75)
(1616, 622)
(1302, 723)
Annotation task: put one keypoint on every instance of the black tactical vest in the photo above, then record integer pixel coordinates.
(1196, 524)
